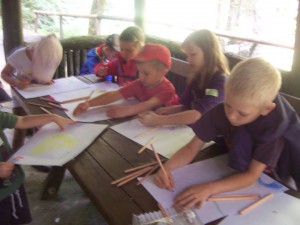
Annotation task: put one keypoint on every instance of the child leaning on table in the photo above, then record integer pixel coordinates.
(104, 53)
(206, 88)
(257, 122)
(123, 68)
(14, 206)
(152, 89)
(36, 63)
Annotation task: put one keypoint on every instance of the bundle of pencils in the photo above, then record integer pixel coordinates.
(146, 170)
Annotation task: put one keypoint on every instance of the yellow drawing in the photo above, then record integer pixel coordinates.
(54, 142)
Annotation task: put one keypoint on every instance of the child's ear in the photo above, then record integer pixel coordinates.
(268, 108)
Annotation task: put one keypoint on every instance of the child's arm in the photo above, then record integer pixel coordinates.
(197, 194)
(7, 76)
(181, 158)
(170, 109)
(25, 122)
(104, 99)
(123, 111)
(181, 118)
(6, 169)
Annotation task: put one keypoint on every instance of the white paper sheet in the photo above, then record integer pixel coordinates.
(282, 209)
(59, 86)
(205, 171)
(168, 140)
(51, 146)
(92, 77)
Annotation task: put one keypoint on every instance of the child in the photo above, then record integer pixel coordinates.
(35, 63)
(206, 89)
(123, 68)
(257, 122)
(152, 89)
(102, 54)
(14, 207)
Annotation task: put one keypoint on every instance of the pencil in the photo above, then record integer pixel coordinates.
(147, 144)
(57, 106)
(140, 167)
(164, 213)
(45, 110)
(255, 204)
(49, 100)
(74, 100)
(147, 175)
(159, 162)
(41, 105)
(144, 133)
(130, 175)
(92, 92)
(140, 172)
(232, 197)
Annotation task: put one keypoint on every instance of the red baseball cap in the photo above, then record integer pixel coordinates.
(154, 52)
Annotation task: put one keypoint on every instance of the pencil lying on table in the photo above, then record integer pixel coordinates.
(232, 197)
(49, 100)
(140, 167)
(147, 175)
(74, 100)
(255, 204)
(40, 105)
(57, 106)
(45, 110)
(126, 179)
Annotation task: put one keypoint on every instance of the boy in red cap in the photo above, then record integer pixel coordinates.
(152, 89)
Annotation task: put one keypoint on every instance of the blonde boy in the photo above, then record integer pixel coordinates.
(152, 89)
(258, 124)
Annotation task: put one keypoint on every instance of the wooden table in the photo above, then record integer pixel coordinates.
(101, 163)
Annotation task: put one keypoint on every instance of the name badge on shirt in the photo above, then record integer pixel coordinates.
(212, 92)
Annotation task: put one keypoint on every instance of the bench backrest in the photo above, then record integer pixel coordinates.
(294, 101)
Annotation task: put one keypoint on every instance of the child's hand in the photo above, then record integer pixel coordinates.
(164, 182)
(193, 196)
(21, 83)
(117, 111)
(149, 119)
(81, 108)
(102, 72)
(62, 121)
(6, 169)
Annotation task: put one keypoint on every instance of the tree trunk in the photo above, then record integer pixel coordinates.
(98, 7)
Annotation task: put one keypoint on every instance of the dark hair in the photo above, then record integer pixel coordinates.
(133, 34)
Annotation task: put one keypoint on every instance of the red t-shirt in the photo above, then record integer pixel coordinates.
(164, 91)
(124, 71)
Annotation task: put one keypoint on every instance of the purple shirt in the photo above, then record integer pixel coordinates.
(272, 139)
(204, 100)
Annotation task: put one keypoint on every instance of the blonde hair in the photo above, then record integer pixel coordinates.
(254, 81)
(133, 34)
(213, 55)
(47, 56)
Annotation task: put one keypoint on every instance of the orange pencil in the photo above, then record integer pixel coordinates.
(147, 175)
(232, 197)
(74, 100)
(41, 105)
(140, 167)
(130, 175)
(159, 161)
(164, 213)
(140, 172)
(255, 204)
(57, 106)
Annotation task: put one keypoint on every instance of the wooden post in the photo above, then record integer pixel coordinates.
(36, 22)
(139, 6)
(12, 25)
(61, 32)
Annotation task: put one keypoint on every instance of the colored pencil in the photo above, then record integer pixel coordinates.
(57, 106)
(147, 175)
(92, 92)
(45, 110)
(49, 100)
(140, 167)
(164, 213)
(159, 162)
(255, 204)
(131, 175)
(139, 173)
(232, 197)
(74, 100)
(147, 144)
(41, 105)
